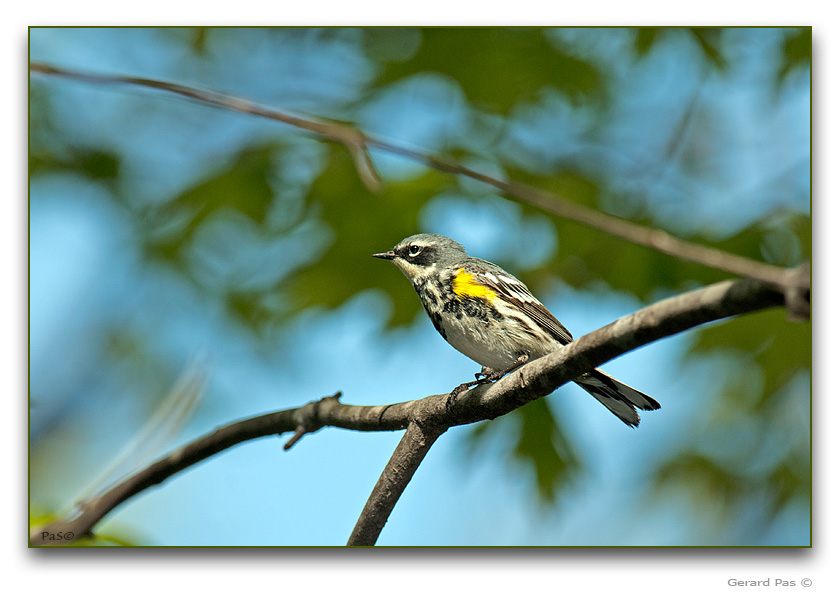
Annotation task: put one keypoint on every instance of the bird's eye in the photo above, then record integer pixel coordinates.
(414, 250)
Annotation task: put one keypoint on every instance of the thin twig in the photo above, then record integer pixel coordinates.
(358, 142)
(352, 139)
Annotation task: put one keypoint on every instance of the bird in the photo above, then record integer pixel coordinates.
(490, 316)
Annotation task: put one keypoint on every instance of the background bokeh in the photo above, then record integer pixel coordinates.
(173, 240)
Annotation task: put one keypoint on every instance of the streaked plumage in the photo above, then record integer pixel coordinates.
(491, 317)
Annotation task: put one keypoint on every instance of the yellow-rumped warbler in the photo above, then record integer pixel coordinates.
(491, 316)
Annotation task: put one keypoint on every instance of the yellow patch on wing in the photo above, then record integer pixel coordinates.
(464, 285)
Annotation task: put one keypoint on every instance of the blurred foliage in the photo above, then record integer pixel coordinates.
(796, 53)
(540, 445)
(754, 450)
(723, 490)
(94, 164)
(363, 224)
(707, 39)
(502, 72)
(780, 349)
(242, 188)
(497, 67)
(543, 445)
(585, 256)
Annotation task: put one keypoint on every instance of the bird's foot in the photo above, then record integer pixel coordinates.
(485, 376)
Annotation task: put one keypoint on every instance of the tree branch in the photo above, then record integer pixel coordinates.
(415, 443)
(431, 416)
(357, 142)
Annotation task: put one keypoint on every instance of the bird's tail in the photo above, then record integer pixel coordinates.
(620, 398)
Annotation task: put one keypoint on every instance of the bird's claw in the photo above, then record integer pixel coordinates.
(485, 376)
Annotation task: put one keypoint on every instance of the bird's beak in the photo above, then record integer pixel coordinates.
(386, 255)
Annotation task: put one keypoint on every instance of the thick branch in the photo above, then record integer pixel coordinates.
(357, 143)
(415, 443)
(534, 380)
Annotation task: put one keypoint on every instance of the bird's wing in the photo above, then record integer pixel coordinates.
(512, 290)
